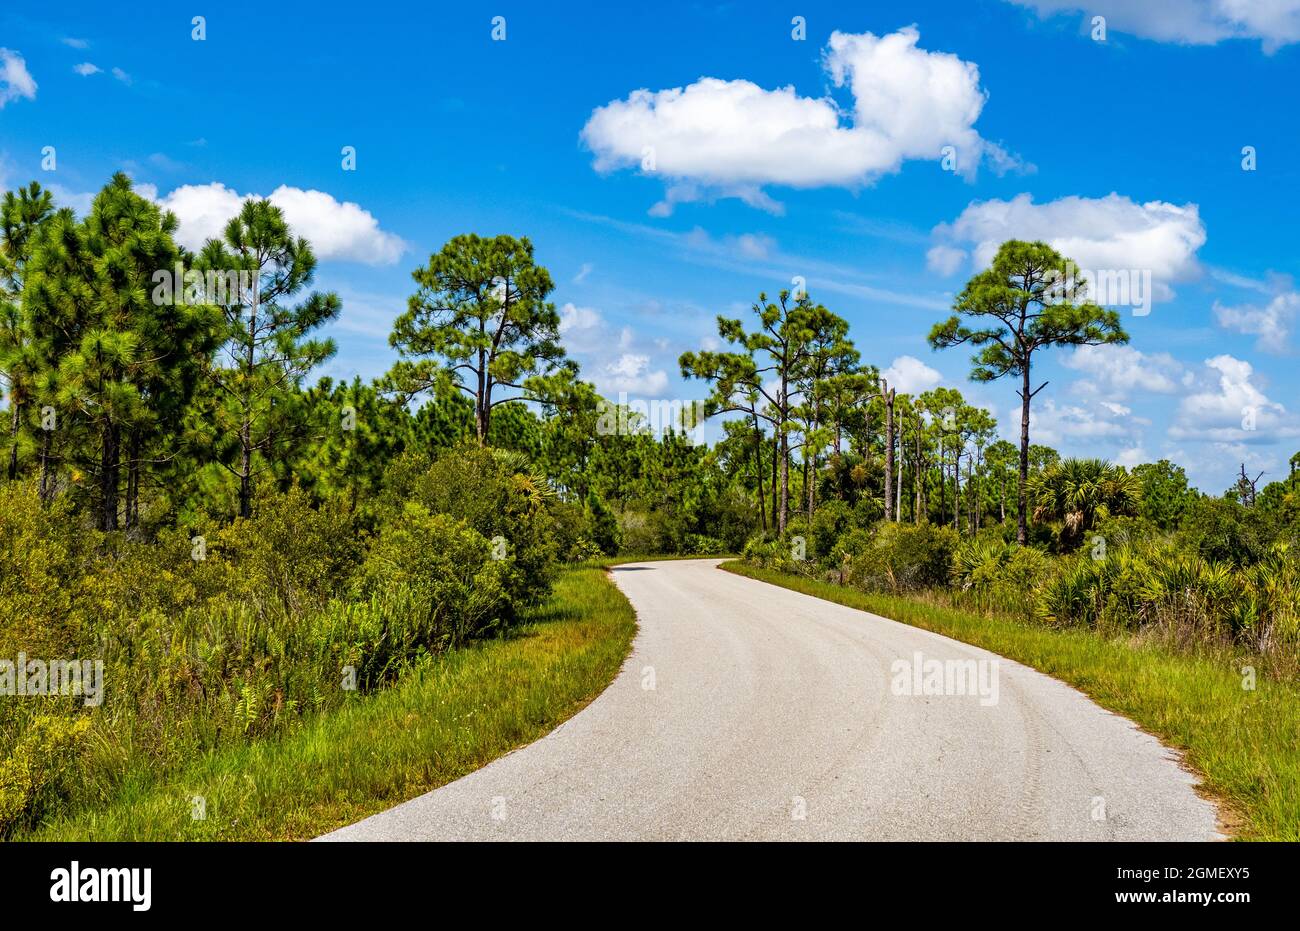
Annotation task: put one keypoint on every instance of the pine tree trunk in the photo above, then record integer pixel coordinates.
(13, 437)
(133, 482)
(1022, 521)
(889, 451)
(917, 470)
(898, 484)
(108, 477)
(46, 489)
(956, 491)
(758, 474)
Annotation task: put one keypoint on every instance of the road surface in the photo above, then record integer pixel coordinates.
(749, 712)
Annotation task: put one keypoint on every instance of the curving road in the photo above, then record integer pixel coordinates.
(749, 712)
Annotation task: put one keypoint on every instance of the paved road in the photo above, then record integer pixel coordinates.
(746, 711)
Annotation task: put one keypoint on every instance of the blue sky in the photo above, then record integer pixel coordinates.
(780, 157)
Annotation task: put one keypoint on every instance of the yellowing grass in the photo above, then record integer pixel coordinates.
(435, 725)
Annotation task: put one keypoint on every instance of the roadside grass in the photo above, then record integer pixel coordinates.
(1245, 744)
(441, 721)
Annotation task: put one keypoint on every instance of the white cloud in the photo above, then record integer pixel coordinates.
(1191, 22)
(909, 375)
(15, 80)
(75, 43)
(1052, 424)
(1272, 323)
(631, 373)
(86, 69)
(945, 260)
(583, 328)
(1099, 234)
(336, 230)
(1132, 456)
(729, 138)
(1121, 370)
(122, 76)
(611, 360)
(583, 272)
(79, 201)
(1227, 406)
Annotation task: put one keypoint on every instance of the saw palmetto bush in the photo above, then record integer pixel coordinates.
(1076, 494)
(990, 574)
(217, 635)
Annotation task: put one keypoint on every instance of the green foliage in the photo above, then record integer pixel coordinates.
(1077, 493)
(1163, 495)
(450, 566)
(254, 417)
(479, 321)
(902, 558)
(1029, 298)
(494, 497)
(35, 766)
(1219, 530)
(829, 523)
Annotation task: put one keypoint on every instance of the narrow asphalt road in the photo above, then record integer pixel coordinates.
(749, 712)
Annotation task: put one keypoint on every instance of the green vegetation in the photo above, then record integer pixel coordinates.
(251, 555)
(1241, 741)
(443, 718)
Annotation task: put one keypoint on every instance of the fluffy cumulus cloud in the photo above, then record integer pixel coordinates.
(15, 80)
(631, 372)
(909, 375)
(1193, 22)
(729, 138)
(336, 229)
(1226, 405)
(1273, 322)
(1120, 371)
(612, 360)
(1054, 424)
(1111, 233)
(86, 69)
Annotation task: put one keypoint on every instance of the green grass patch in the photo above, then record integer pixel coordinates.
(439, 722)
(1245, 744)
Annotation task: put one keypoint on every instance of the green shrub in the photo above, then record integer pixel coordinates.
(829, 523)
(461, 581)
(495, 497)
(903, 557)
(34, 767)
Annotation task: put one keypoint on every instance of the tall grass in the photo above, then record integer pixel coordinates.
(443, 718)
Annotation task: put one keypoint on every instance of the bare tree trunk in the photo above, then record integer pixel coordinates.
(758, 473)
(246, 426)
(917, 473)
(888, 396)
(784, 513)
(1022, 521)
(956, 491)
(482, 401)
(776, 476)
(46, 489)
(898, 483)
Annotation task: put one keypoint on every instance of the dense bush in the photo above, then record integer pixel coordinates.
(496, 497)
(219, 634)
(995, 574)
(903, 558)
(1219, 530)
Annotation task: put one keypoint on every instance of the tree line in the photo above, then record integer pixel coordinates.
(147, 383)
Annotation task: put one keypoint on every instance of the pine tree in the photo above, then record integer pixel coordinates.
(266, 350)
